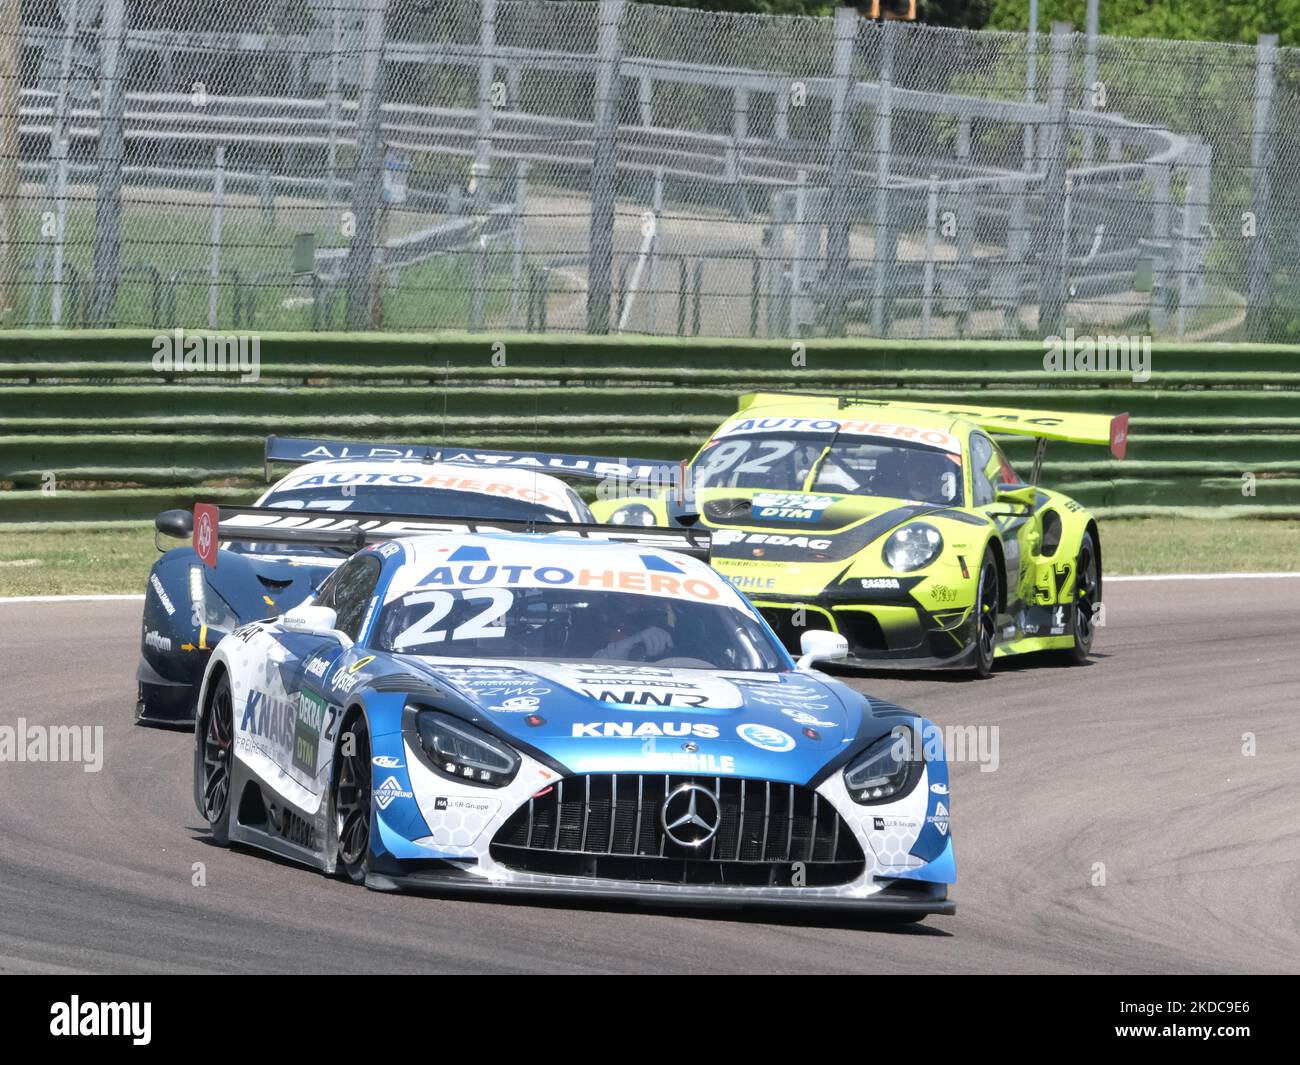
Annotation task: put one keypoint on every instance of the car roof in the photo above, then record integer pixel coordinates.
(777, 413)
(524, 484)
(790, 406)
(514, 476)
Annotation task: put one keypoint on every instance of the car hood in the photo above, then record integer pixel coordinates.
(257, 585)
(591, 717)
(750, 524)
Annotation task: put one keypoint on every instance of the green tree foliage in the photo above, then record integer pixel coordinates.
(1188, 20)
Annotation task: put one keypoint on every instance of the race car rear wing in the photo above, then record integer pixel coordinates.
(210, 524)
(297, 451)
(1108, 429)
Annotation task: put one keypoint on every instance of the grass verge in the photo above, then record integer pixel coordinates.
(68, 561)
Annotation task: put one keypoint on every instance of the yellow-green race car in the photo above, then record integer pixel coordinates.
(901, 527)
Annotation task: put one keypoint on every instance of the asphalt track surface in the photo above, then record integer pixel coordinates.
(1134, 761)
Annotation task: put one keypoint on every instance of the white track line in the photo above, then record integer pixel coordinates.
(1200, 577)
(69, 598)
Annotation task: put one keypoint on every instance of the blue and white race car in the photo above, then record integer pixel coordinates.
(189, 607)
(557, 714)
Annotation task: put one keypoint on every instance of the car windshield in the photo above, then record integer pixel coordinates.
(417, 501)
(827, 462)
(522, 623)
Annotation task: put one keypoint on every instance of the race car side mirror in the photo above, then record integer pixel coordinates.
(821, 645)
(1024, 494)
(178, 523)
(317, 621)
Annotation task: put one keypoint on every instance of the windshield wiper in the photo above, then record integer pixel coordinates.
(816, 466)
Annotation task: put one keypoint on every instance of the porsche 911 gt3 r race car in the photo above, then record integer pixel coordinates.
(188, 606)
(583, 718)
(902, 527)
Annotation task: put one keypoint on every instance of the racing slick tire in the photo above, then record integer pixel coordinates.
(351, 800)
(1087, 581)
(986, 616)
(218, 725)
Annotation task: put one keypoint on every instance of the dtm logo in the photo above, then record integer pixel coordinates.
(389, 790)
(765, 738)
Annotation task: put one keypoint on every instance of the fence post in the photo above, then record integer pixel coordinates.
(657, 206)
(59, 160)
(837, 226)
(519, 232)
(482, 198)
(367, 178)
(58, 135)
(108, 184)
(800, 250)
(645, 99)
(214, 263)
(965, 228)
(1090, 78)
(1031, 81)
(334, 106)
(604, 164)
(58, 178)
(1017, 244)
(1192, 259)
(1051, 300)
(1259, 254)
(881, 238)
(931, 234)
(11, 46)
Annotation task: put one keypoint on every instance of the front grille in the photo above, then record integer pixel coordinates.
(608, 825)
(862, 630)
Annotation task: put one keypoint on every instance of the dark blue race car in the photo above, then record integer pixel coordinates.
(189, 606)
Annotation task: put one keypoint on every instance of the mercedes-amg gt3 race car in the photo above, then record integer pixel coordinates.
(904, 528)
(568, 716)
(189, 607)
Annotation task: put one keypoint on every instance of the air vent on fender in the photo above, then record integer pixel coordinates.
(406, 682)
(717, 510)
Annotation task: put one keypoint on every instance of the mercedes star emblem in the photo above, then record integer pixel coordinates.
(690, 815)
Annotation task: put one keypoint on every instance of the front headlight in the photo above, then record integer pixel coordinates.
(210, 609)
(912, 547)
(458, 750)
(634, 514)
(885, 770)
